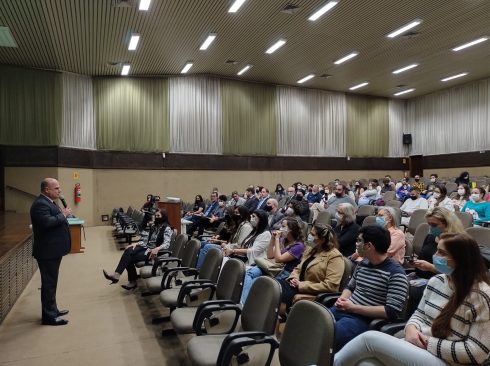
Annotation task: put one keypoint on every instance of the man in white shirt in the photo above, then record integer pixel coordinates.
(415, 202)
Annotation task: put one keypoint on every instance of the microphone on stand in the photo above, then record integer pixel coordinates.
(63, 201)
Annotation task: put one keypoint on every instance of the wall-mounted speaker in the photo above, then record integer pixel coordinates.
(407, 138)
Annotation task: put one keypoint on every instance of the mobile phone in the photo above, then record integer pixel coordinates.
(409, 258)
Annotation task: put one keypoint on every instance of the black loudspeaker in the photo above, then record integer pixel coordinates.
(407, 138)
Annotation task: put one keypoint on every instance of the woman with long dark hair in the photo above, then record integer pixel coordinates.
(450, 325)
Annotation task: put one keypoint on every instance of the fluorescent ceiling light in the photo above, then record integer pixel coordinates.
(455, 76)
(306, 78)
(345, 58)
(244, 70)
(186, 68)
(276, 46)
(322, 10)
(405, 68)
(404, 28)
(358, 86)
(404, 92)
(208, 41)
(133, 42)
(236, 5)
(125, 69)
(144, 4)
(6, 38)
(469, 44)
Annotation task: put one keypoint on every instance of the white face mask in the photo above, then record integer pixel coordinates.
(436, 195)
(432, 180)
(310, 238)
(461, 192)
(253, 221)
(475, 197)
(289, 212)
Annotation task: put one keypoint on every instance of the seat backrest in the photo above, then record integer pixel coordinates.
(309, 335)
(451, 187)
(347, 273)
(480, 234)
(370, 220)
(388, 196)
(212, 265)
(324, 217)
(393, 203)
(465, 218)
(366, 210)
(408, 247)
(191, 253)
(417, 218)
(129, 212)
(419, 237)
(262, 306)
(178, 244)
(230, 281)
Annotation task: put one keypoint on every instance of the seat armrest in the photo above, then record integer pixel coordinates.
(393, 328)
(234, 343)
(328, 299)
(208, 308)
(159, 261)
(378, 323)
(169, 274)
(188, 286)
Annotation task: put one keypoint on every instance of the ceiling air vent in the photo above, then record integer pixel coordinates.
(410, 35)
(6, 38)
(325, 76)
(231, 62)
(290, 9)
(122, 3)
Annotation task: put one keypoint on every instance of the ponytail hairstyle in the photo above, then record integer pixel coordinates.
(469, 271)
(326, 233)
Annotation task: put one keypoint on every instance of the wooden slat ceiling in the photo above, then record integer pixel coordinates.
(85, 36)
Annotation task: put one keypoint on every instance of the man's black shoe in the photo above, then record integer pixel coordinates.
(63, 312)
(55, 321)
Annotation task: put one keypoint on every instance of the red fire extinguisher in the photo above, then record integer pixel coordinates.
(78, 193)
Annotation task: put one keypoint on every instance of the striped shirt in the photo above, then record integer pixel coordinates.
(469, 341)
(384, 284)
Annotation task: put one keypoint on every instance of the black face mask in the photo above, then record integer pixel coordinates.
(268, 208)
(338, 194)
(159, 220)
(299, 197)
(417, 179)
(310, 190)
(413, 197)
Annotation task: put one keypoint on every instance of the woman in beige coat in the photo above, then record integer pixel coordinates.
(321, 269)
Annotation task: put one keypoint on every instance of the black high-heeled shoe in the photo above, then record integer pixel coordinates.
(129, 288)
(110, 278)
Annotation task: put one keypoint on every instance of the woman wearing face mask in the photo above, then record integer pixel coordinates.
(286, 247)
(158, 239)
(255, 245)
(358, 190)
(368, 196)
(346, 229)
(439, 198)
(320, 270)
(197, 208)
(461, 196)
(450, 326)
(476, 206)
(464, 178)
(280, 191)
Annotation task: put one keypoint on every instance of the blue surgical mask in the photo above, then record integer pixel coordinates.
(434, 230)
(441, 265)
(310, 238)
(380, 221)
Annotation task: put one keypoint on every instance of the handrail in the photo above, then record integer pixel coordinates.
(21, 191)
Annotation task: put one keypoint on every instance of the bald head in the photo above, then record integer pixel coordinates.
(50, 187)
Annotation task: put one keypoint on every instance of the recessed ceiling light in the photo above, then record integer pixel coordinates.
(236, 5)
(187, 67)
(346, 58)
(244, 70)
(317, 14)
(208, 41)
(405, 68)
(125, 69)
(133, 42)
(404, 28)
(306, 78)
(455, 76)
(358, 86)
(276, 46)
(404, 92)
(469, 44)
(144, 5)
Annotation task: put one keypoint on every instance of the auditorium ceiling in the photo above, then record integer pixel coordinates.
(91, 37)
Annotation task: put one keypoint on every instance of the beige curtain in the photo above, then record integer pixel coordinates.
(30, 107)
(367, 126)
(249, 117)
(132, 114)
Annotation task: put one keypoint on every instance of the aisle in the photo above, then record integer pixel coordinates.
(108, 325)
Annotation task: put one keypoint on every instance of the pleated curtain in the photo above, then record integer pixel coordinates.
(397, 120)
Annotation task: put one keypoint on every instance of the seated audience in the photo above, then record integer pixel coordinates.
(430, 187)
(314, 196)
(346, 229)
(203, 217)
(255, 245)
(440, 199)
(418, 183)
(235, 200)
(158, 239)
(369, 196)
(303, 204)
(416, 202)
(197, 209)
(358, 190)
(275, 215)
(403, 192)
(340, 197)
(477, 207)
(320, 270)
(378, 288)
(461, 196)
(250, 200)
(388, 185)
(263, 198)
(450, 326)
(464, 178)
(286, 247)
(280, 191)
(290, 195)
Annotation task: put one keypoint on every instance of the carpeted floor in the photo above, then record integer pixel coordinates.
(108, 325)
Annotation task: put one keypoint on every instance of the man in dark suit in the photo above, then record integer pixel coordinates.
(251, 201)
(51, 242)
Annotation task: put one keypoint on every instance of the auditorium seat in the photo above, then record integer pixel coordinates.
(176, 246)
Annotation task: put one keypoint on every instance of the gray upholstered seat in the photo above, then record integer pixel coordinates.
(147, 270)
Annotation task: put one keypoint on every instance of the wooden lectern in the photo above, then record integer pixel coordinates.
(174, 210)
(76, 235)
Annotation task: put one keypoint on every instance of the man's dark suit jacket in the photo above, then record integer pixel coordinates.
(251, 204)
(51, 230)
